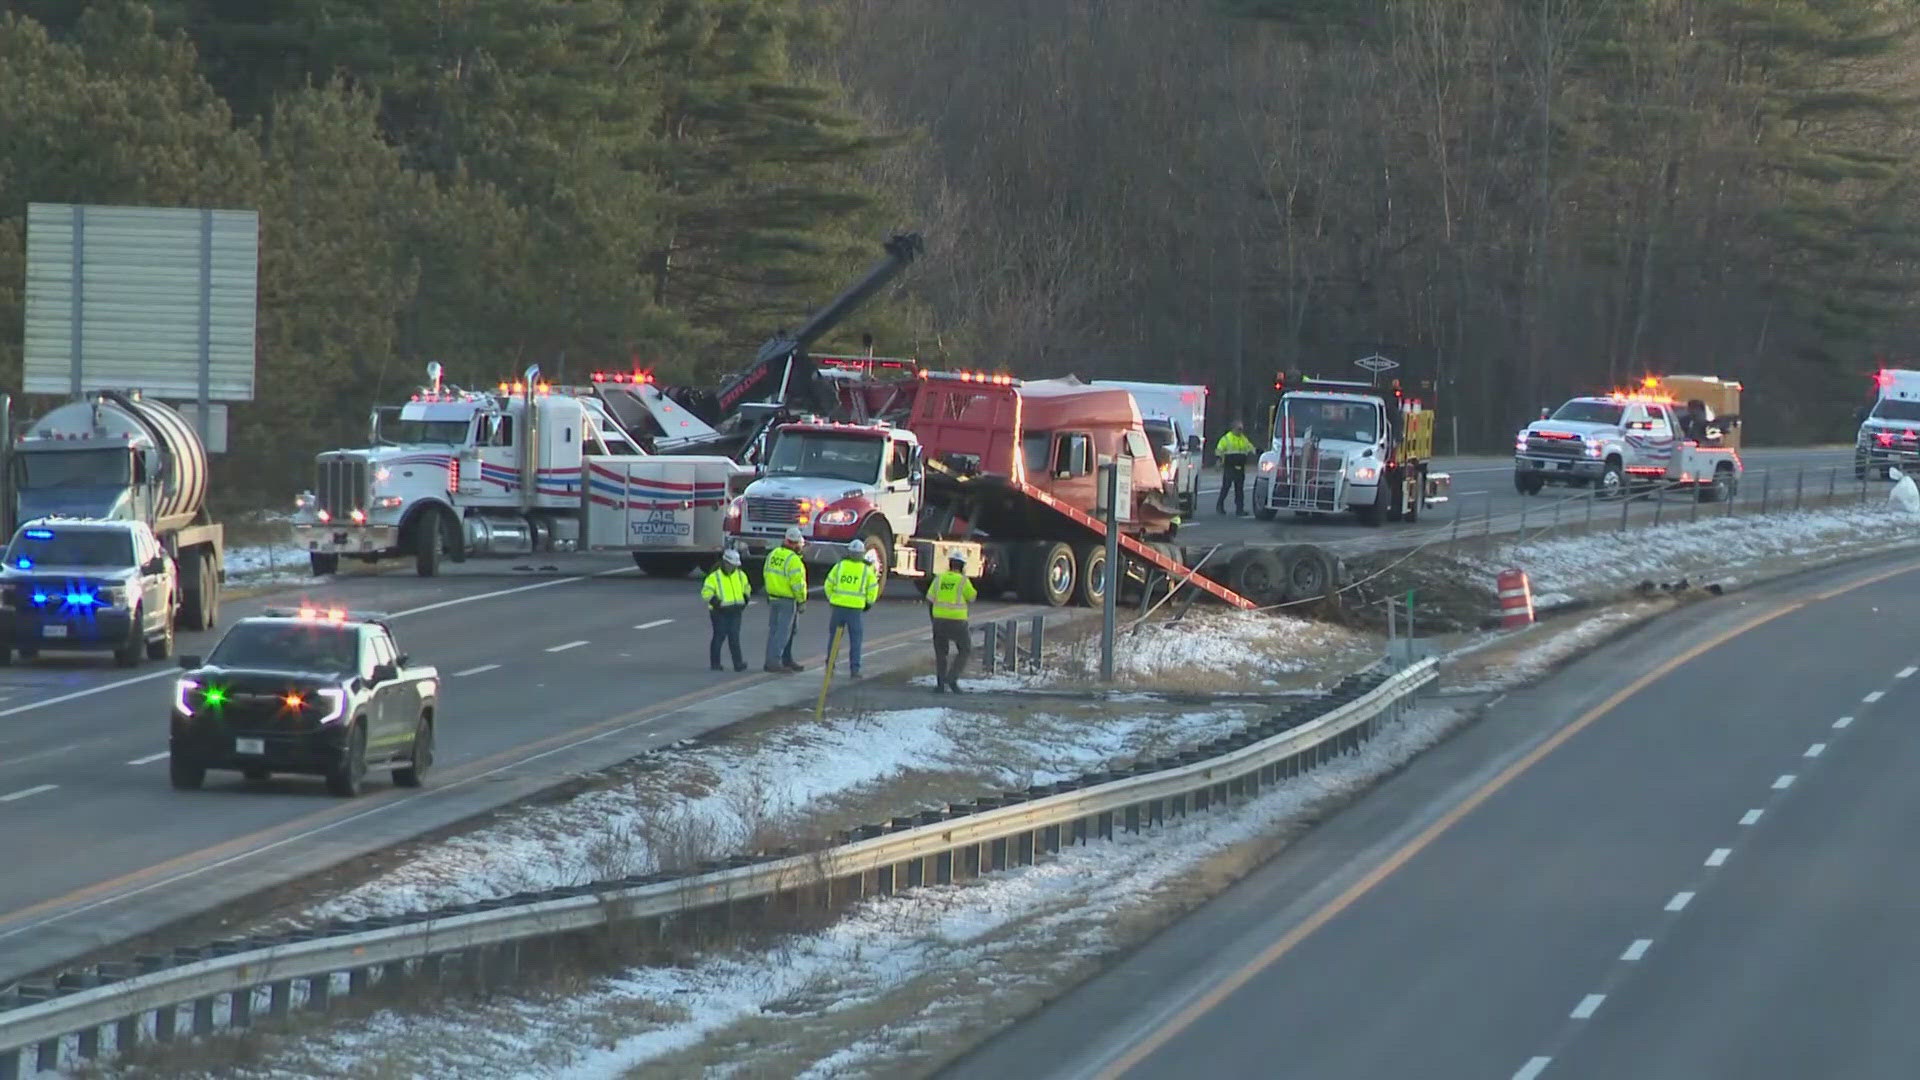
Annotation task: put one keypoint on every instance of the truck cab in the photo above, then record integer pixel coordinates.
(1341, 446)
(1889, 431)
(835, 482)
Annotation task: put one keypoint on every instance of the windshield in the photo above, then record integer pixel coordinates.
(1350, 421)
(408, 432)
(1037, 447)
(1590, 412)
(1895, 409)
(854, 458)
(1160, 436)
(35, 546)
(74, 468)
(288, 646)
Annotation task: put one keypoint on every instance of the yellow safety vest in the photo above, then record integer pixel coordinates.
(1233, 443)
(730, 586)
(786, 575)
(950, 593)
(852, 584)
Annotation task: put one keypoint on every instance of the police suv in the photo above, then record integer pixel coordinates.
(87, 585)
(311, 691)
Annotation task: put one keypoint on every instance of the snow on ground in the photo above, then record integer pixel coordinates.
(1713, 546)
(817, 1005)
(260, 564)
(1214, 651)
(720, 800)
(1554, 645)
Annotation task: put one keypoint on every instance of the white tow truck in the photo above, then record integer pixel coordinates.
(527, 467)
(1340, 446)
(1678, 431)
(1889, 434)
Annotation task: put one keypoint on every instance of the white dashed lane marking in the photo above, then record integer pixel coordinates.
(1587, 1007)
(1749, 817)
(1843, 723)
(654, 623)
(24, 792)
(568, 645)
(149, 759)
(1638, 949)
(1719, 856)
(1680, 901)
(1873, 697)
(1533, 1068)
(475, 670)
(1785, 782)
(1815, 750)
(1906, 673)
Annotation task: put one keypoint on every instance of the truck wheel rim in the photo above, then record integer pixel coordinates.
(1059, 574)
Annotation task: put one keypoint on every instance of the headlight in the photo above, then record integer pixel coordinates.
(388, 502)
(182, 690)
(335, 700)
(737, 507)
(1594, 447)
(1267, 464)
(839, 517)
(303, 501)
(1365, 473)
(1520, 442)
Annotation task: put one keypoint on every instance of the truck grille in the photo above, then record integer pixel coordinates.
(341, 485)
(765, 511)
(1565, 447)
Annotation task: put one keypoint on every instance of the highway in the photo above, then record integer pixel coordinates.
(1686, 855)
(1483, 492)
(544, 678)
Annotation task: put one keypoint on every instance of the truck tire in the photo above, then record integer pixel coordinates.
(665, 566)
(1091, 587)
(879, 540)
(1255, 573)
(185, 774)
(1261, 497)
(349, 777)
(1413, 492)
(1372, 516)
(429, 542)
(1048, 574)
(1528, 483)
(323, 564)
(1718, 489)
(161, 648)
(419, 756)
(1309, 570)
(1613, 480)
(199, 591)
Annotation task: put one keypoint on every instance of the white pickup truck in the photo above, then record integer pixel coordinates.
(1621, 440)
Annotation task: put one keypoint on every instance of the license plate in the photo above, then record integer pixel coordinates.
(53, 631)
(339, 538)
(249, 746)
(1565, 465)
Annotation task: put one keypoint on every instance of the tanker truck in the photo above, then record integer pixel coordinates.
(120, 456)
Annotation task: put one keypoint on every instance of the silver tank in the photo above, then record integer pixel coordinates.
(175, 452)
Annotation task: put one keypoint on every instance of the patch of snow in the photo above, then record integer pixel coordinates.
(262, 563)
(744, 795)
(1707, 549)
(1556, 645)
(1062, 909)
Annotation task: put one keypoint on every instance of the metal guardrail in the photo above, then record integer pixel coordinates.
(47, 1025)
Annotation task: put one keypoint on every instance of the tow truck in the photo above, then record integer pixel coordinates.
(525, 467)
(1001, 471)
(1677, 430)
(308, 690)
(1340, 445)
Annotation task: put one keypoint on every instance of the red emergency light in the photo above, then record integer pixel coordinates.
(1882, 378)
(628, 378)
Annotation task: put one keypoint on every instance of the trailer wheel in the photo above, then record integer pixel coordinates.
(200, 591)
(1309, 570)
(1048, 574)
(1255, 574)
(1092, 590)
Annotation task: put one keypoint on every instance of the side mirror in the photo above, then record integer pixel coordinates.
(189, 661)
(382, 673)
(1194, 445)
(1545, 413)
(402, 661)
(155, 565)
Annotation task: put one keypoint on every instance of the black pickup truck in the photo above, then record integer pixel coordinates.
(312, 691)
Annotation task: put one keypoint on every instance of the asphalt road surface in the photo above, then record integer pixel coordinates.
(1688, 855)
(541, 679)
(1483, 495)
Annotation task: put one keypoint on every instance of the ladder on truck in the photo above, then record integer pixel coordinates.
(1144, 552)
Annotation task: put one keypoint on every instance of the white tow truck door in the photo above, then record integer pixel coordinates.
(900, 487)
(657, 503)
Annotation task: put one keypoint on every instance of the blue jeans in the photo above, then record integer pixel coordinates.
(726, 627)
(851, 619)
(781, 618)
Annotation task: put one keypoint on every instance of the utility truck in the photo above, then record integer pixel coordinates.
(525, 467)
(1680, 431)
(1002, 471)
(1340, 446)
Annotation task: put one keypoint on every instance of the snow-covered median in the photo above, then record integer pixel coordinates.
(267, 564)
(880, 993)
(793, 783)
(1714, 548)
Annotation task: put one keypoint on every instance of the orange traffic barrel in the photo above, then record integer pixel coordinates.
(1516, 599)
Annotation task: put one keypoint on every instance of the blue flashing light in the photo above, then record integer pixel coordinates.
(24, 563)
(39, 598)
(77, 598)
(39, 534)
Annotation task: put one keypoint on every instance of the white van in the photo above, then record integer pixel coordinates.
(1176, 420)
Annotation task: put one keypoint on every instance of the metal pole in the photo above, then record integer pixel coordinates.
(77, 308)
(1112, 591)
(206, 329)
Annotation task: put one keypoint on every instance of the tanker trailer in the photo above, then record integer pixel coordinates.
(119, 456)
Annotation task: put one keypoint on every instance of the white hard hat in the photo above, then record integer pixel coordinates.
(794, 534)
(857, 547)
(731, 558)
(957, 558)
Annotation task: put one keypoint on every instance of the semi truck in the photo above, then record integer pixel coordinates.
(1341, 446)
(1002, 471)
(118, 455)
(521, 468)
(1175, 415)
(1680, 431)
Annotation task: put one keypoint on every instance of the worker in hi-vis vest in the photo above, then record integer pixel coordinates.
(786, 578)
(851, 587)
(947, 599)
(1234, 449)
(725, 591)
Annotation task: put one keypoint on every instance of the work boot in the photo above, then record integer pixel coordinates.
(953, 688)
(791, 666)
(739, 667)
(774, 669)
(716, 667)
(939, 688)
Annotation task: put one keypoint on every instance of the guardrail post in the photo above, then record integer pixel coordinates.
(1013, 645)
(1833, 482)
(989, 651)
(1766, 484)
(1454, 540)
(1799, 481)
(48, 1056)
(1523, 517)
(358, 980)
(319, 991)
(1486, 522)
(1659, 498)
(10, 1064)
(1626, 503)
(280, 999)
(240, 1008)
(1036, 640)
(164, 1020)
